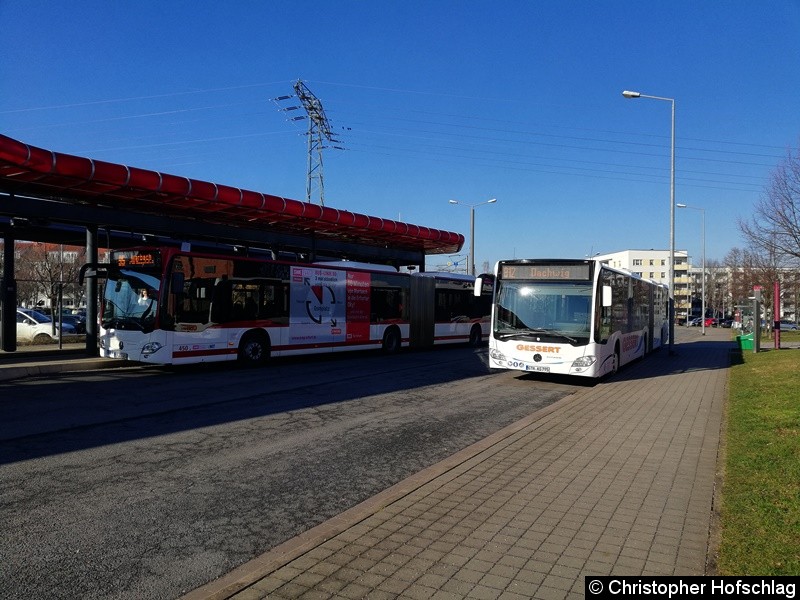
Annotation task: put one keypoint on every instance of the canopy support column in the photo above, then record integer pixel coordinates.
(91, 293)
(8, 296)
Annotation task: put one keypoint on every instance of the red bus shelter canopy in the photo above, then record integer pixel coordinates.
(33, 171)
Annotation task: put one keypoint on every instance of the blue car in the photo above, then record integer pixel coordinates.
(788, 325)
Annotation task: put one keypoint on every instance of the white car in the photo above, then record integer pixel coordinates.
(33, 326)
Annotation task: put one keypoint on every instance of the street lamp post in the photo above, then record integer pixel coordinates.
(628, 94)
(472, 230)
(703, 287)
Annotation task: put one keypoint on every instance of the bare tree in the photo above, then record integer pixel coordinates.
(42, 268)
(717, 287)
(751, 267)
(775, 224)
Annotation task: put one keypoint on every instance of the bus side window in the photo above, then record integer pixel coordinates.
(197, 301)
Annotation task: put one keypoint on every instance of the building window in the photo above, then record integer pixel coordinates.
(637, 262)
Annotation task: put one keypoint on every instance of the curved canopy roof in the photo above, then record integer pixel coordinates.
(29, 170)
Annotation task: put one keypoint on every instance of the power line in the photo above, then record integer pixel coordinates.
(479, 139)
(132, 98)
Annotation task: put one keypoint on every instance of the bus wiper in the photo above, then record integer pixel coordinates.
(124, 323)
(508, 334)
(555, 333)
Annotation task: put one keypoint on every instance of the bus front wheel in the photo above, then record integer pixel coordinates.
(254, 349)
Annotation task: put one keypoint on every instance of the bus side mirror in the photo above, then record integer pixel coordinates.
(606, 295)
(93, 270)
(476, 291)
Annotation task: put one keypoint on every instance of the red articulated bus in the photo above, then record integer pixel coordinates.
(164, 305)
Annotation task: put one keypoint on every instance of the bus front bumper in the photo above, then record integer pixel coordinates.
(584, 366)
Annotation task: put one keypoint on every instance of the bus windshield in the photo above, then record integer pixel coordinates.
(555, 311)
(131, 300)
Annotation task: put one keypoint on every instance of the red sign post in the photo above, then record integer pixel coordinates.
(776, 315)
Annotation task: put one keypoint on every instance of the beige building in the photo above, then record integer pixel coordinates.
(654, 264)
(720, 290)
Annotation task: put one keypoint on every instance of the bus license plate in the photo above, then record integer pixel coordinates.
(537, 369)
(118, 354)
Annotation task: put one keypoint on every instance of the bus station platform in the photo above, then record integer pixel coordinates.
(616, 479)
(48, 359)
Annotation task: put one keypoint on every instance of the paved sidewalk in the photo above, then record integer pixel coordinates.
(615, 479)
(34, 361)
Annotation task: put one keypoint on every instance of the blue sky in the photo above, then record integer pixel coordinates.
(432, 101)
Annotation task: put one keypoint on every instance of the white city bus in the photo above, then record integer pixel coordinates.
(163, 305)
(573, 317)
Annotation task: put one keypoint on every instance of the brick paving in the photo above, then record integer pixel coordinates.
(615, 479)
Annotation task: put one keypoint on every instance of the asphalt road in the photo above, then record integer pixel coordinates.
(147, 483)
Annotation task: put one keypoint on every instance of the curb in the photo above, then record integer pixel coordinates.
(44, 368)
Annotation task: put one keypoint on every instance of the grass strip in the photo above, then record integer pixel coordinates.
(760, 509)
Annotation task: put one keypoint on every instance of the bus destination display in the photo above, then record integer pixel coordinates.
(136, 258)
(545, 272)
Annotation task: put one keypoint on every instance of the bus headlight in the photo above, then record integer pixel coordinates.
(151, 348)
(584, 361)
(497, 355)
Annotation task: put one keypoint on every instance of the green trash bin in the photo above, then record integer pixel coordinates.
(745, 341)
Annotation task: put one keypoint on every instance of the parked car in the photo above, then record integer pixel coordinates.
(726, 323)
(788, 325)
(76, 320)
(711, 322)
(695, 322)
(33, 326)
(68, 315)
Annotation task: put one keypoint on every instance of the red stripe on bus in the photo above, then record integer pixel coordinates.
(327, 345)
(287, 347)
(208, 352)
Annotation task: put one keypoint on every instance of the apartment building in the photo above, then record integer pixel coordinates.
(654, 264)
(722, 293)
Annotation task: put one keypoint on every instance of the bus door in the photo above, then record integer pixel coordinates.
(422, 311)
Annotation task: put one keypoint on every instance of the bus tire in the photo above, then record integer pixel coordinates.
(254, 349)
(391, 341)
(615, 364)
(475, 336)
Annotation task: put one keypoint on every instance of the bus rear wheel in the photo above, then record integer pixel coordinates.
(475, 336)
(391, 341)
(254, 349)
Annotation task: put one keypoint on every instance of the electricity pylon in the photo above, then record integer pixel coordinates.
(319, 131)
